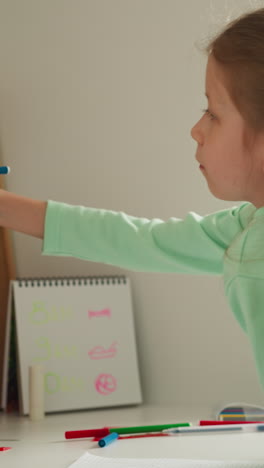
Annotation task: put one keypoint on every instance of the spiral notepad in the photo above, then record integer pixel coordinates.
(81, 331)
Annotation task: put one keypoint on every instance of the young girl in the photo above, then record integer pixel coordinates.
(230, 151)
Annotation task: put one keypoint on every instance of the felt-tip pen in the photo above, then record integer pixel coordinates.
(4, 169)
(138, 436)
(152, 428)
(205, 422)
(108, 439)
(101, 432)
(223, 428)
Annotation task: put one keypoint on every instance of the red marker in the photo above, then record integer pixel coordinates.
(102, 432)
(139, 436)
(3, 449)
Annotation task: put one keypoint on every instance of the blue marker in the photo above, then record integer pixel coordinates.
(108, 439)
(4, 169)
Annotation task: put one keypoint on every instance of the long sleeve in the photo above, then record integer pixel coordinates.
(193, 245)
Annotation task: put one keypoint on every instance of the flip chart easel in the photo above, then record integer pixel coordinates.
(81, 331)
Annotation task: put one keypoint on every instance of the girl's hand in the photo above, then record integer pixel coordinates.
(22, 214)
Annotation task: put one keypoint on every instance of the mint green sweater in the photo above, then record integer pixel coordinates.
(229, 243)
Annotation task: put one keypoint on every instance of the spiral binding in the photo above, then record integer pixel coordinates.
(71, 281)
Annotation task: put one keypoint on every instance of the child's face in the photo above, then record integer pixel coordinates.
(233, 168)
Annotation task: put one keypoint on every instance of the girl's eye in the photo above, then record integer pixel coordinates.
(207, 112)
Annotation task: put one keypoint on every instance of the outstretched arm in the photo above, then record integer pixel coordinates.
(193, 245)
(22, 214)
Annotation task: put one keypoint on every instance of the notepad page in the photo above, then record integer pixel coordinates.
(88, 460)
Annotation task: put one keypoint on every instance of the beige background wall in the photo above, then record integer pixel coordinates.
(97, 99)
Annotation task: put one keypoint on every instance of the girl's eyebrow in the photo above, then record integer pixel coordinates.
(216, 101)
(207, 96)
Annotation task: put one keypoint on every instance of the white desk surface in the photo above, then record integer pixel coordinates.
(42, 444)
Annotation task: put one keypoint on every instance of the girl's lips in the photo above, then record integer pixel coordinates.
(201, 167)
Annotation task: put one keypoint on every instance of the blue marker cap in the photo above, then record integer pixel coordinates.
(108, 439)
(4, 170)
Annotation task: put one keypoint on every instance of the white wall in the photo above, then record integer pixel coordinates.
(97, 99)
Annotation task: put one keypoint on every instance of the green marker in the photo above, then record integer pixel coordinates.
(154, 428)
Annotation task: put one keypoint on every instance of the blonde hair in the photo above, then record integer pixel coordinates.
(239, 49)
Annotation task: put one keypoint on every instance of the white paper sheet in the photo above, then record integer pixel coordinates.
(92, 461)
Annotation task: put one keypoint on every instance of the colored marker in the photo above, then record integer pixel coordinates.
(223, 428)
(102, 432)
(154, 428)
(3, 449)
(108, 439)
(221, 423)
(4, 169)
(139, 436)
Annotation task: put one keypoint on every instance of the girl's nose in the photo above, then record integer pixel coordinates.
(196, 133)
